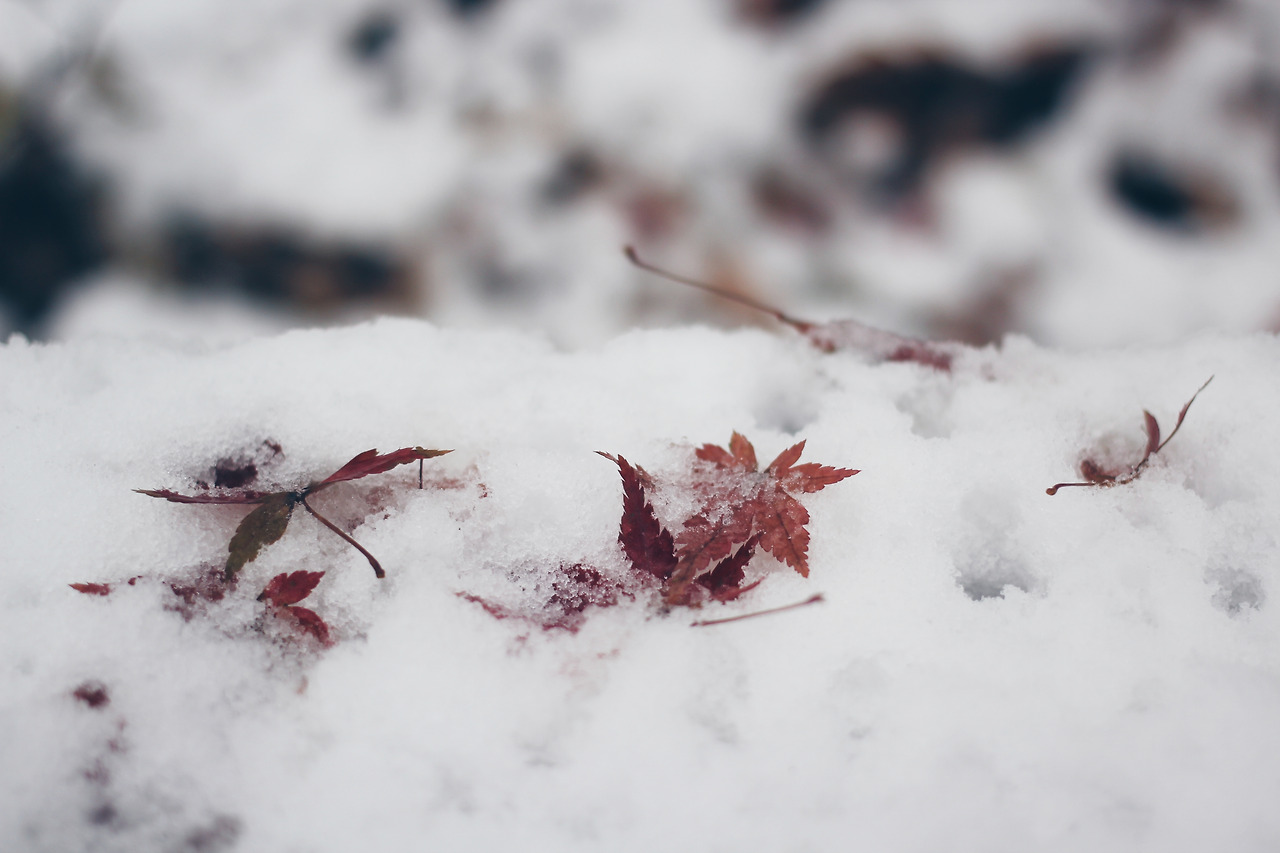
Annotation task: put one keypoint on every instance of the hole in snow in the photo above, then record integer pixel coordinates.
(989, 577)
(1237, 590)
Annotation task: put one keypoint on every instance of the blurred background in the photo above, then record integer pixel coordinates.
(1085, 172)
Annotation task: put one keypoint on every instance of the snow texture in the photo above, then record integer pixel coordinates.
(993, 668)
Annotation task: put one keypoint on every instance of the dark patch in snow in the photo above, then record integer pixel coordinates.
(989, 577)
(787, 410)
(1161, 195)
(1237, 590)
(373, 38)
(930, 104)
(94, 694)
(50, 225)
(280, 265)
(220, 834)
(469, 8)
(777, 13)
(574, 174)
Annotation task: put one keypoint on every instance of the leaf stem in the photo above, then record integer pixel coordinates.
(377, 569)
(632, 256)
(813, 599)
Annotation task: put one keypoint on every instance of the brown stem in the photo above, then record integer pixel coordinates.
(813, 599)
(630, 252)
(1053, 490)
(377, 569)
(1182, 415)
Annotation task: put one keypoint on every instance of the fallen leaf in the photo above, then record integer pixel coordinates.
(290, 588)
(647, 545)
(260, 528)
(1094, 474)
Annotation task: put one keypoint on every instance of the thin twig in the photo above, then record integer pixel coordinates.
(813, 599)
(630, 252)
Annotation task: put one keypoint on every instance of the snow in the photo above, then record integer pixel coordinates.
(992, 669)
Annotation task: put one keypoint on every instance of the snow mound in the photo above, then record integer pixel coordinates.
(992, 669)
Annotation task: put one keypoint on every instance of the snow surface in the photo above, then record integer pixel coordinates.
(993, 669)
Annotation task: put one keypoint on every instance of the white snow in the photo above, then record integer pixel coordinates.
(993, 668)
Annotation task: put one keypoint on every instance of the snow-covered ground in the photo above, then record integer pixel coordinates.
(992, 669)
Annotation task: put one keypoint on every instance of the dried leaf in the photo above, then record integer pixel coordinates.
(724, 581)
(370, 462)
(290, 588)
(1093, 474)
(92, 588)
(238, 497)
(260, 528)
(737, 508)
(711, 535)
(309, 622)
(647, 545)
(268, 523)
(781, 521)
(834, 336)
(1153, 434)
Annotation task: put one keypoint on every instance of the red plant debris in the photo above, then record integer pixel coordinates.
(92, 588)
(740, 507)
(833, 336)
(93, 693)
(1095, 474)
(282, 595)
(269, 520)
(574, 588)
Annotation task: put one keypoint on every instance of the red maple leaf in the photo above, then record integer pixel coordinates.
(268, 522)
(741, 507)
(742, 501)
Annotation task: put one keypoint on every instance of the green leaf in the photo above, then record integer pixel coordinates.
(259, 529)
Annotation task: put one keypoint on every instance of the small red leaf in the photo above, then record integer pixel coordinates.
(1153, 433)
(724, 582)
(370, 462)
(241, 497)
(92, 588)
(647, 545)
(744, 453)
(286, 589)
(812, 477)
(786, 459)
(309, 622)
(716, 455)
